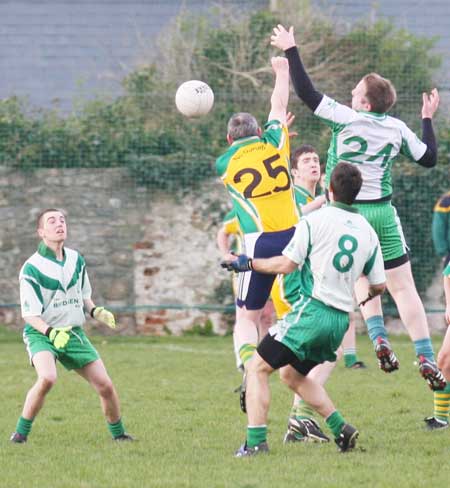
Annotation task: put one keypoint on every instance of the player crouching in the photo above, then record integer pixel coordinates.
(54, 294)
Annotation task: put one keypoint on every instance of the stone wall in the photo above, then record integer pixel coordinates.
(176, 263)
(142, 250)
(151, 257)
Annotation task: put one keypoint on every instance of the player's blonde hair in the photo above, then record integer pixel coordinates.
(380, 93)
(242, 124)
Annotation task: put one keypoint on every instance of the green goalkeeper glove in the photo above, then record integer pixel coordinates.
(105, 316)
(59, 337)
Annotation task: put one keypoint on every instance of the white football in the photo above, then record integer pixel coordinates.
(194, 98)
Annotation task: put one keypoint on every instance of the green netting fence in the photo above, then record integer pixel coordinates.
(160, 153)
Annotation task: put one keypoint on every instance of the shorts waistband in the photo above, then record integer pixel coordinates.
(320, 304)
(386, 199)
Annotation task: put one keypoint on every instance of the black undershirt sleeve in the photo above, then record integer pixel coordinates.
(429, 159)
(301, 81)
(311, 97)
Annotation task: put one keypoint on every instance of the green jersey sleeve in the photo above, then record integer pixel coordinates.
(374, 267)
(274, 134)
(86, 289)
(299, 246)
(412, 147)
(31, 300)
(334, 114)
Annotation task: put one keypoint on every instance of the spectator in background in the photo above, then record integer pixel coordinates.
(441, 228)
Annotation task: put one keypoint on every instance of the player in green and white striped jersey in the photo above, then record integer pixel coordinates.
(305, 171)
(366, 136)
(332, 247)
(306, 174)
(54, 294)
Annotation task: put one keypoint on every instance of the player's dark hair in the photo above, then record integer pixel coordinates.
(380, 93)
(43, 212)
(242, 124)
(306, 148)
(345, 182)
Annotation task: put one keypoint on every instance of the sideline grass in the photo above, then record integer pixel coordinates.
(177, 400)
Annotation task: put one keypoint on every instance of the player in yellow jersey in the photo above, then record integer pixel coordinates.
(440, 418)
(441, 228)
(255, 171)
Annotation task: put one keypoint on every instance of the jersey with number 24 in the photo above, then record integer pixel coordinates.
(370, 140)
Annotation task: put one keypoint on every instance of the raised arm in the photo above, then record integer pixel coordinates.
(280, 95)
(303, 86)
(429, 107)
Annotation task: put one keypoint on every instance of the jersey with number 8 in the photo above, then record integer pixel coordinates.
(255, 171)
(333, 247)
(372, 141)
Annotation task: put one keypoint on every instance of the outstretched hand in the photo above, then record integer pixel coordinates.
(239, 264)
(290, 117)
(104, 316)
(430, 103)
(281, 38)
(280, 64)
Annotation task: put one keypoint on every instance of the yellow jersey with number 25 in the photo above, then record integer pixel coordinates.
(256, 172)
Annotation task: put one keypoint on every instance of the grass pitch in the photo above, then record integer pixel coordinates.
(177, 398)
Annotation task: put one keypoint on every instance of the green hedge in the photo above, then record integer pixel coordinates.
(143, 131)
